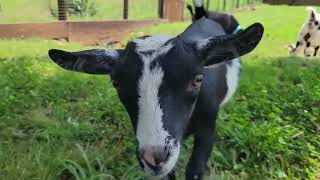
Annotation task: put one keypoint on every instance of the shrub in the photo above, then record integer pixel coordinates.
(82, 7)
(76, 8)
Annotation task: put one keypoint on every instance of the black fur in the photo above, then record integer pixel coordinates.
(308, 44)
(184, 112)
(307, 37)
(316, 50)
(227, 21)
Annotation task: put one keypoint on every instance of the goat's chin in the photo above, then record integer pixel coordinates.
(168, 166)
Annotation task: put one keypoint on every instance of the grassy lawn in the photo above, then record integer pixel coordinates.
(57, 124)
(29, 11)
(39, 10)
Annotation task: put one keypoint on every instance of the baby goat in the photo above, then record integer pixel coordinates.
(309, 36)
(170, 88)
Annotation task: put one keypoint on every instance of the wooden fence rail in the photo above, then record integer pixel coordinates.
(104, 32)
(87, 33)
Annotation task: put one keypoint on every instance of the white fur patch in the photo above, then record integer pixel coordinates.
(111, 53)
(311, 9)
(232, 76)
(150, 130)
(151, 43)
(197, 3)
(202, 43)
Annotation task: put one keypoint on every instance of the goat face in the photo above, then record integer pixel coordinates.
(158, 80)
(313, 21)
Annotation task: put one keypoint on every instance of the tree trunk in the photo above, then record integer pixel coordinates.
(160, 8)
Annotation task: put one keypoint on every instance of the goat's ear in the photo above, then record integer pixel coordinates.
(96, 61)
(312, 13)
(227, 47)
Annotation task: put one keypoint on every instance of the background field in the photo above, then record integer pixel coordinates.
(20, 11)
(56, 124)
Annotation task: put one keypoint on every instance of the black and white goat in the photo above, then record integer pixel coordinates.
(227, 21)
(309, 36)
(170, 90)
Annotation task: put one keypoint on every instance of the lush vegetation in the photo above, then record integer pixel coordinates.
(59, 124)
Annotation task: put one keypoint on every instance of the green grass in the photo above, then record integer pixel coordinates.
(58, 124)
(25, 11)
(39, 10)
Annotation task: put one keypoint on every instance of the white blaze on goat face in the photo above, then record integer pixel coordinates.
(150, 130)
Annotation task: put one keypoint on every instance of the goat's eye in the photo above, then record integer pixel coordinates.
(195, 83)
(316, 22)
(197, 80)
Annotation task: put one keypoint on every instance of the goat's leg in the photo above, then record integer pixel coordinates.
(297, 49)
(203, 143)
(303, 41)
(316, 50)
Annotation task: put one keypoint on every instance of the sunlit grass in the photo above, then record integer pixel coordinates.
(21, 11)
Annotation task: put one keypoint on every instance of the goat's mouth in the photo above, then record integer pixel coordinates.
(164, 168)
(158, 171)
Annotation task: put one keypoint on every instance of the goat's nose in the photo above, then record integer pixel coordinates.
(155, 157)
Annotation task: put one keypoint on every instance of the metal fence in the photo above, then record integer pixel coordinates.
(224, 5)
(107, 9)
(22, 11)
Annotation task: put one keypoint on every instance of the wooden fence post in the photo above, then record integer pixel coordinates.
(160, 8)
(125, 9)
(173, 10)
(62, 10)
